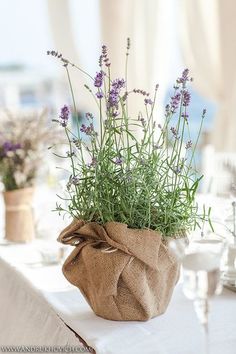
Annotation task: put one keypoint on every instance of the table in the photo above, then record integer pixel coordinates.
(39, 307)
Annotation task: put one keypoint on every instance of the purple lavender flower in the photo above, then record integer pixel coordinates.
(89, 115)
(143, 122)
(98, 80)
(115, 114)
(188, 145)
(118, 84)
(174, 132)
(185, 115)
(99, 95)
(106, 61)
(88, 130)
(177, 170)
(9, 146)
(77, 143)
(175, 102)
(104, 50)
(118, 161)
(100, 61)
(93, 163)
(186, 98)
(105, 56)
(64, 115)
(113, 99)
(176, 87)
(167, 109)
(124, 98)
(83, 128)
(128, 44)
(142, 92)
(148, 101)
(184, 78)
(70, 154)
(142, 162)
(113, 96)
(74, 180)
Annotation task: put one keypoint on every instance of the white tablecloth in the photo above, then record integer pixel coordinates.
(26, 317)
(35, 304)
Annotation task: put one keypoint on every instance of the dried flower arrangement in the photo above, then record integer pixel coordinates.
(23, 137)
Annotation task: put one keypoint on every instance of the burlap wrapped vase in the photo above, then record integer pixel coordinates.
(125, 274)
(19, 223)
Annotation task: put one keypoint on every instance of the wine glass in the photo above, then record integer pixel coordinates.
(201, 262)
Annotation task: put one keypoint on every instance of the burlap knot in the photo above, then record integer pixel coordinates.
(132, 280)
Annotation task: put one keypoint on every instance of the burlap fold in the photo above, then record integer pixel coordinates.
(125, 274)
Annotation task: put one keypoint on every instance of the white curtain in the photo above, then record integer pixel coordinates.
(209, 47)
(65, 41)
(149, 26)
(147, 23)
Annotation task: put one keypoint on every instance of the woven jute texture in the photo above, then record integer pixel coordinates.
(19, 221)
(125, 274)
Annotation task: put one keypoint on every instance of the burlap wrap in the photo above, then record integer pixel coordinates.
(125, 274)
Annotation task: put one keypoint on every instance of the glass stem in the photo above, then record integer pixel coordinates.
(201, 307)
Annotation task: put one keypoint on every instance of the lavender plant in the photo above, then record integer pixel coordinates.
(148, 182)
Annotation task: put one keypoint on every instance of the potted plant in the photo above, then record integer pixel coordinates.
(128, 195)
(22, 142)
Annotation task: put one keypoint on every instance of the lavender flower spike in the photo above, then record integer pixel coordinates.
(174, 132)
(9, 146)
(93, 163)
(64, 115)
(113, 98)
(186, 98)
(99, 95)
(175, 102)
(118, 161)
(104, 56)
(184, 78)
(88, 130)
(98, 80)
(188, 145)
(148, 101)
(74, 180)
(118, 84)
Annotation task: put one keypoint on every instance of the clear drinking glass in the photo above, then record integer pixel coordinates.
(201, 262)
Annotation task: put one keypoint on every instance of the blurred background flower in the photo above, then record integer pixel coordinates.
(23, 148)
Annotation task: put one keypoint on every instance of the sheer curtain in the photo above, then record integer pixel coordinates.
(147, 23)
(209, 48)
(65, 41)
(149, 26)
